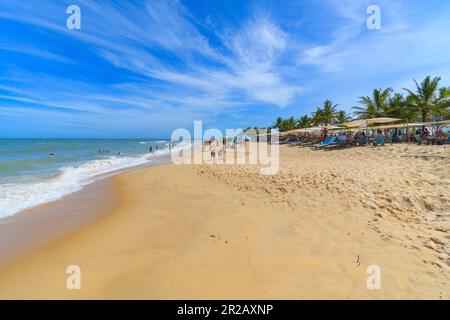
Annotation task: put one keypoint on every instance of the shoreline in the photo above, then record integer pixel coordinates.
(222, 232)
(30, 229)
(34, 179)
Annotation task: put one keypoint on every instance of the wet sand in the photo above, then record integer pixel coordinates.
(34, 228)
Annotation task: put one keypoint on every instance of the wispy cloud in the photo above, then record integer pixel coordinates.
(33, 51)
(140, 39)
(136, 63)
(403, 42)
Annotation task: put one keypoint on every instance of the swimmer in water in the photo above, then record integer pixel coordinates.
(51, 155)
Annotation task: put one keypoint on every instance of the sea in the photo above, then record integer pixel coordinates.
(37, 171)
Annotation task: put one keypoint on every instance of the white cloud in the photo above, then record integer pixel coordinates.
(403, 43)
(171, 67)
(244, 68)
(33, 51)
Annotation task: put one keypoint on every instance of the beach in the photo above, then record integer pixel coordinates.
(227, 232)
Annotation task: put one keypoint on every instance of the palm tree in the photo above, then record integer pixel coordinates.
(342, 117)
(398, 107)
(375, 106)
(277, 123)
(444, 109)
(328, 112)
(428, 100)
(304, 122)
(288, 124)
(317, 116)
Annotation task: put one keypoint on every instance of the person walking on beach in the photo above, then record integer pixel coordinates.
(387, 136)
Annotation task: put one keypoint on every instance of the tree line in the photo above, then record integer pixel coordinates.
(427, 102)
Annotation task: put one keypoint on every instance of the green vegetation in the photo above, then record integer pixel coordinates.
(427, 102)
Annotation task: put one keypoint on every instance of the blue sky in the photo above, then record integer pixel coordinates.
(143, 68)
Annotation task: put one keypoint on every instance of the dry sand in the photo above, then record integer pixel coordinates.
(311, 231)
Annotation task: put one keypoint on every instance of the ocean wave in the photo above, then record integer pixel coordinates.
(175, 148)
(149, 142)
(15, 197)
(31, 163)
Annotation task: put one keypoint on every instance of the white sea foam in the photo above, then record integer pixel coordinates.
(20, 196)
(175, 148)
(152, 142)
(15, 197)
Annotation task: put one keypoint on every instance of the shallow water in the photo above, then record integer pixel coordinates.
(30, 176)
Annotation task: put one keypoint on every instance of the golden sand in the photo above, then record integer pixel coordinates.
(311, 231)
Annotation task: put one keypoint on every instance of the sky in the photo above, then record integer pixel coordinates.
(143, 68)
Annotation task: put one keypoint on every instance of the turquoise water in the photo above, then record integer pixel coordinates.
(30, 176)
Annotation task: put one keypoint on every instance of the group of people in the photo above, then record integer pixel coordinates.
(219, 154)
(226, 142)
(415, 135)
(217, 149)
(391, 136)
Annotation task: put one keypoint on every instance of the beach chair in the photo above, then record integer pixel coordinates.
(325, 143)
(295, 142)
(309, 141)
(363, 141)
(379, 141)
(341, 142)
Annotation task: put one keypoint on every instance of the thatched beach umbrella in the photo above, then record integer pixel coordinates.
(363, 124)
(329, 127)
(355, 124)
(382, 120)
(367, 122)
